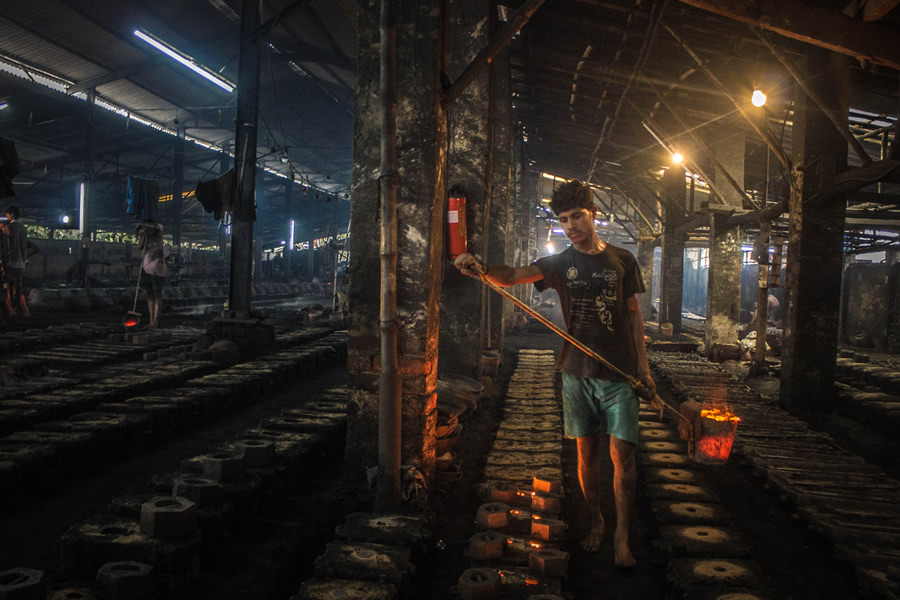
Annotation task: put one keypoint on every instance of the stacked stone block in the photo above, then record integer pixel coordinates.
(93, 420)
(835, 492)
(706, 557)
(515, 553)
(372, 559)
(189, 520)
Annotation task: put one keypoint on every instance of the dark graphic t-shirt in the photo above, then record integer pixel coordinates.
(592, 292)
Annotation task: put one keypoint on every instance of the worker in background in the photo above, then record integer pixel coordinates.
(20, 249)
(773, 310)
(596, 283)
(153, 267)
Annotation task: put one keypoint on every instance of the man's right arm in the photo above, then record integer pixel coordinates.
(501, 275)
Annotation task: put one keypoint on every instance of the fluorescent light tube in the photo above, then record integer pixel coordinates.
(185, 59)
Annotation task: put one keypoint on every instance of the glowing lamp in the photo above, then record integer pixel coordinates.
(758, 98)
(677, 158)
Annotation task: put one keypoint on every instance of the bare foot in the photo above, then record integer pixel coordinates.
(624, 558)
(594, 539)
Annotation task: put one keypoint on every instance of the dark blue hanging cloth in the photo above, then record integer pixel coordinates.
(143, 198)
(215, 196)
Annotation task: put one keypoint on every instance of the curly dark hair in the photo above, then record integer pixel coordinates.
(572, 194)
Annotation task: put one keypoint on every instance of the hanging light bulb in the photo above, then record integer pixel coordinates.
(677, 158)
(758, 98)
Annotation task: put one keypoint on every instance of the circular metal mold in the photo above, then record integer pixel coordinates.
(710, 535)
(693, 510)
(720, 570)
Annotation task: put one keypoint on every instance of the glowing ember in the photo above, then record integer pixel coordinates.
(719, 415)
(130, 321)
(536, 517)
(535, 545)
(531, 581)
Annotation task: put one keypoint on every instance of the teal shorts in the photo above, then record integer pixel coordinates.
(585, 400)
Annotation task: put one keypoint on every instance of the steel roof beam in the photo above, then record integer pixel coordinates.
(805, 22)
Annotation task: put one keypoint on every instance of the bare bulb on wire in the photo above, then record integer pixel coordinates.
(758, 98)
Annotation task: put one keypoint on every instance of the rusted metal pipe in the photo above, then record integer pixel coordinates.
(761, 131)
(840, 125)
(487, 54)
(765, 214)
(762, 297)
(387, 491)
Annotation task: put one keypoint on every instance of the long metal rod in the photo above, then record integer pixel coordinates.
(634, 383)
(387, 491)
(832, 115)
(487, 54)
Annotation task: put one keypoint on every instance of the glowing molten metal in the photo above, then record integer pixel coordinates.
(719, 415)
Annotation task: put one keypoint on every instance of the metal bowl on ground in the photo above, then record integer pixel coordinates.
(449, 404)
(444, 461)
(464, 389)
(445, 444)
(446, 427)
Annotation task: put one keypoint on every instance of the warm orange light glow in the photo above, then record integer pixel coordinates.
(130, 321)
(515, 512)
(536, 517)
(531, 581)
(535, 545)
(719, 415)
(509, 541)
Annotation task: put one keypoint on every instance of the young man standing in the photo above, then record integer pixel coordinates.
(596, 283)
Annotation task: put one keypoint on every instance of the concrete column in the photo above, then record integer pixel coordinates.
(723, 286)
(86, 215)
(421, 128)
(177, 203)
(672, 267)
(239, 290)
(723, 291)
(225, 163)
(464, 298)
(524, 202)
(815, 251)
(644, 257)
(289, 232)
(178, 187)
(500, 231)
(258, 242)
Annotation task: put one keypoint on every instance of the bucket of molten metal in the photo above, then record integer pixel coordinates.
(710, 431)
(131, 320)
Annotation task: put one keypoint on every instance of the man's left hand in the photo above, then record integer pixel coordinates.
(649, 386)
